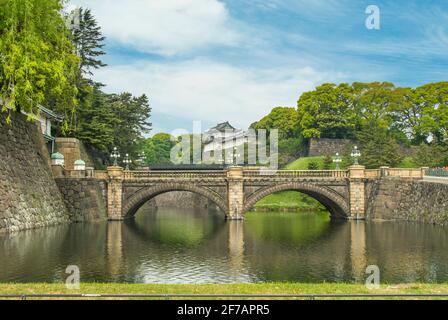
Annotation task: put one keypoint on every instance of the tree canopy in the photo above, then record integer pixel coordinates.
(282, 118)
(38, 63)
(158, 148)
(47, 58)
(327, 112)
(379, 115)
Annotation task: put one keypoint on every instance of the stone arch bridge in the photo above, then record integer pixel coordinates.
(236, 190)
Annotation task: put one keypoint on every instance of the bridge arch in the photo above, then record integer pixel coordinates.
(336, 204)
(139, 198)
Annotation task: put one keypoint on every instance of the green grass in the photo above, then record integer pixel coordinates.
(262, 288)
(302, 163)
(288, 200)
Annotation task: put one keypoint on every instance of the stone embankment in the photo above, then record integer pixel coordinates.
(29, 196)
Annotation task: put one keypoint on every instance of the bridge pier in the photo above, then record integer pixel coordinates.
(357, 192)
(235, 193)
(115, 193)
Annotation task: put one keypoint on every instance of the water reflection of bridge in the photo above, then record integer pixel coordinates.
(238, 250)
(332, 251)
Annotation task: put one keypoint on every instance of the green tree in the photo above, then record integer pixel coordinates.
(328, 162)
(158, 149)
(423, 112)
(97, 122)
(435, 118)
(108, 120)
(284, 119)
(88, 40)
(347, 159)
(327, 112)
(38, 64)
(374, 103)
(132, 115)
(378, 148)
(431, 155)
(313, 165)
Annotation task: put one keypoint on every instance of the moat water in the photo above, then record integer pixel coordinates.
(186, 246)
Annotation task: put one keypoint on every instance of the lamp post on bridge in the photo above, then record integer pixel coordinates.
(141, 158)
(355, 155)
(236, 157)
(337, 160)
(127, 161)
(115, 155)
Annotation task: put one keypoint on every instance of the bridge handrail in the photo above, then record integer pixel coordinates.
(128, 175)
(404, 173)
(297, 173)
(436, 172)
(372, 173)
(100, 174)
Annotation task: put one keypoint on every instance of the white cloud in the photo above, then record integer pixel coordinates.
(210, 91)
(164, 27)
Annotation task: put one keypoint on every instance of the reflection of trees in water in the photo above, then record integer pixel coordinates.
(43, 254)
(408, 252)
(173, 239)
(176, 227)
(198, 246)
(318, 249)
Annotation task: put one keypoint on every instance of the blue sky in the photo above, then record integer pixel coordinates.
(212, 61)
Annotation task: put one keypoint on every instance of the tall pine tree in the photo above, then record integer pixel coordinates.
(88, 40)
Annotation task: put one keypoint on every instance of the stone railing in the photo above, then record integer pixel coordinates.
(372, 173)
(101, 175)
(253, 173)
(297, 173)
(61, 172)
(133, 175)
(405, 173)
(394, 173)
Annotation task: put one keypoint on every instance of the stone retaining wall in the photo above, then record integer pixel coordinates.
(408, 199)
(29, 196)
(180, 199)
(324, 147)
(85, 199)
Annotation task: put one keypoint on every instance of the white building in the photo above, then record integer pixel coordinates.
(225, 139)
(46, 119)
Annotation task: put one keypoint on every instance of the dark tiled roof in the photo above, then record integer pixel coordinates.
(223, 126)
(50, 113)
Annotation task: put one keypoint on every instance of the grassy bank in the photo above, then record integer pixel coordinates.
(302, 163)
(267, 288)
(288, 200)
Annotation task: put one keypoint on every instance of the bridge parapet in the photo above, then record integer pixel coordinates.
(372, 173)
(406, 173)
(134, 175)
(297, 173)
